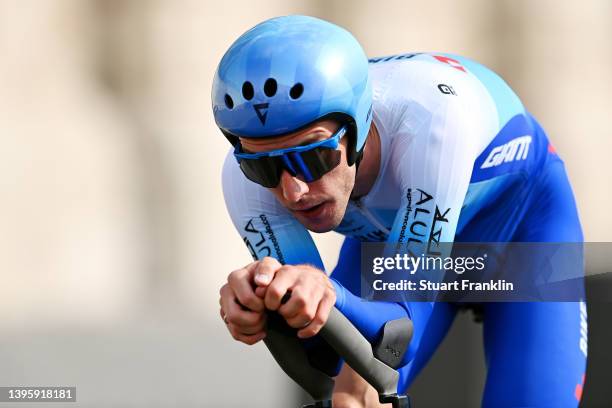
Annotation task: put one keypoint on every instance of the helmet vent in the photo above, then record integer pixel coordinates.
(270, 87)
(229, 102)
(296, 91)
(247, 91)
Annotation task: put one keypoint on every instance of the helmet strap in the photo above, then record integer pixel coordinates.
(357, 160)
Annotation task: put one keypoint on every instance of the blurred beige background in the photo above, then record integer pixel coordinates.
(114, 237)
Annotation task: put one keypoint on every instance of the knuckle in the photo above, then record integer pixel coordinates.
(309, 315)
(275, 292)
(266, 264)
(280, 272)
(285, 270)
(250, 340)
(294, 322)
(318, 320)
(270, 303)
(272, 260)
(299, 299)
(286, 312)
(248, 299)
(237, 320)
(230, 319)
(243, 307)
(231, 278)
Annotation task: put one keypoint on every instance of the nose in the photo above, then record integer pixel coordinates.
(292, 187)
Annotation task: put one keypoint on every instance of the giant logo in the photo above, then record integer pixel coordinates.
(516, 149)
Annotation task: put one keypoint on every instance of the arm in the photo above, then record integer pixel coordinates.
(286, 259)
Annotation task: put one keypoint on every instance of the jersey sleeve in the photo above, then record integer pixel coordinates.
(266, 227)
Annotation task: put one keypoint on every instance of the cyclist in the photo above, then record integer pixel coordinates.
(324, 139)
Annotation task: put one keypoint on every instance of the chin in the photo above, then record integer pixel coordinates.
(320, 228)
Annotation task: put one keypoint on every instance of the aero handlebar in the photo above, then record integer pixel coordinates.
(349, 343)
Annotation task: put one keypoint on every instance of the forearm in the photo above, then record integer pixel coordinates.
(368, 317)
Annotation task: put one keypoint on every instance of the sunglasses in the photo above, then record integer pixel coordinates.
(310, 161)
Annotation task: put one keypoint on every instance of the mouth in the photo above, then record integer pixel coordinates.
(313, 211)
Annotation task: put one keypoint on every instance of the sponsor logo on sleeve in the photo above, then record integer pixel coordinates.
(258, 245)
(515, 150)
(418, 227)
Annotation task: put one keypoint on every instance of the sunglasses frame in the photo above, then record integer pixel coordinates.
(332, 143)
(292, 154)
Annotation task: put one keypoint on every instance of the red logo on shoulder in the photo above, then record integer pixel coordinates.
(450, 61)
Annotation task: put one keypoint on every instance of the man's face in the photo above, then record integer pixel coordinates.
(319, 205)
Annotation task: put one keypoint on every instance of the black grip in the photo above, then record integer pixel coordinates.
(291, 356)
(393, 342)
(350, 344)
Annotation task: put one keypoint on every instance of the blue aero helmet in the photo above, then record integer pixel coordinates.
(289, 72)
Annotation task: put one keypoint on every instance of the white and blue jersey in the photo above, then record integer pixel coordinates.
(461, 160)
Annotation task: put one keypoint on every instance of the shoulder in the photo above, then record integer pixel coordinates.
(428, 80)
(432, 96)
(432, 80)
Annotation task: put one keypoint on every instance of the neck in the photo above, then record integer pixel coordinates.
(369, 166)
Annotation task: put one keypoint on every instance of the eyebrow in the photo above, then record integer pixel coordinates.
(304, 143)
(313, 139)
